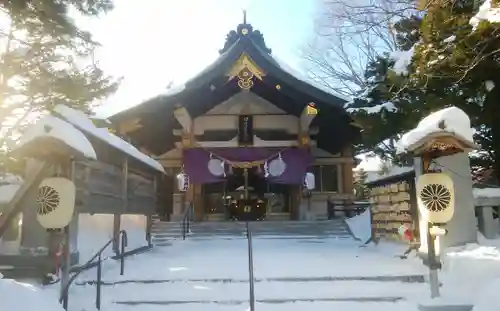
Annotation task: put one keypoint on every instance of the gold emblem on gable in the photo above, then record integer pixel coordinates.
(245, 69)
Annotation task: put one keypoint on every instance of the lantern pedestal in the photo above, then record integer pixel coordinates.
(462, 227)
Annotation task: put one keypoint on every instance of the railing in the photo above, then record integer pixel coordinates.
(186, 221)
(348, 209)
(122, 235)
(251, 279)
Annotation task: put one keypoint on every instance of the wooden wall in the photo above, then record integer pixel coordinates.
(100, 190)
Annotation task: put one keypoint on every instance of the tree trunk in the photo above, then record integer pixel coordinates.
(492, 115)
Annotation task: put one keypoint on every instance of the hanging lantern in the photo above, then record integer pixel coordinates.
(55, 202)
(183, 182)
(436, 197)
(277, 166)
(216, 166)
(266, 170)
(309, 181)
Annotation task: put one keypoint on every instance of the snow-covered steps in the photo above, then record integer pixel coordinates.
(290, 274)
(280, 306)
(164, 231)
(186, 294)
(271, 229)
(412, 278)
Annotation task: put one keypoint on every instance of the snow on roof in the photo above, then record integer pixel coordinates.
(82, 122)
(175, 89)
(485, 13)
(7, 192)
(402, 60)
(16, 296)
(50, 126)
(393, 171)
(9, 184)
(455, 120)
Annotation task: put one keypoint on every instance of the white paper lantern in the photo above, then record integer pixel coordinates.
(436, 197)
(55, 202)
(277, 167)
(182, 182)
(309, 181)
(216, 167)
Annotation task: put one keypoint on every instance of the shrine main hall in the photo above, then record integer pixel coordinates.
(246, 139)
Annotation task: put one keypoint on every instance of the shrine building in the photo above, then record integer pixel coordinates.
(242, 134)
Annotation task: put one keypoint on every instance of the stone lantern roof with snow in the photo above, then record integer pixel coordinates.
(442, 133)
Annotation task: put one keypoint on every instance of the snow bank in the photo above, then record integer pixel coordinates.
(361, 226)
(485, 13)
(471, 274)
(454, 120)
(50, 126)
(82, 122)
(16, 296)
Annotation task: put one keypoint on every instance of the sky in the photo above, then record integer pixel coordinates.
(151, 43)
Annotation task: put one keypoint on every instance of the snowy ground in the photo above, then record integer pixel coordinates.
(290, 275)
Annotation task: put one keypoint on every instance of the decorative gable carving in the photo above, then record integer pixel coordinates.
(245, 103)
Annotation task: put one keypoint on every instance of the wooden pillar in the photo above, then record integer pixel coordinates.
(199, 207)
(118, 216)
(346, 171)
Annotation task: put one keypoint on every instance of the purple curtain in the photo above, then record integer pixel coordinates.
(297, 161)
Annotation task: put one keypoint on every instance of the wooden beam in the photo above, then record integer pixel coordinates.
(34, 178)
(129, 126)
(182, 115)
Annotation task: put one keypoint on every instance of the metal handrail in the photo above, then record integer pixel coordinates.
(251, 278)
(186, 221)
(122, 235)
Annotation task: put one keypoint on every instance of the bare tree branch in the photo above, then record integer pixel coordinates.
(349, 35)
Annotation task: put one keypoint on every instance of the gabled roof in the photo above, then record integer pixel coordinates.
(253, 44)
(278, 84)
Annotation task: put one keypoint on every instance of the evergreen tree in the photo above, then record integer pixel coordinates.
(387, 107)
(47, 61)
(457, 62)
(52, 17)
(362, 191)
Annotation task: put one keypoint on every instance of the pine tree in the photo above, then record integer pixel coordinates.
(52, 17)
(457, 62)
(360, 176)
(46, 61)
(387, 107)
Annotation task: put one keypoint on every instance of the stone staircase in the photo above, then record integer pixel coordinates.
(164, 232)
